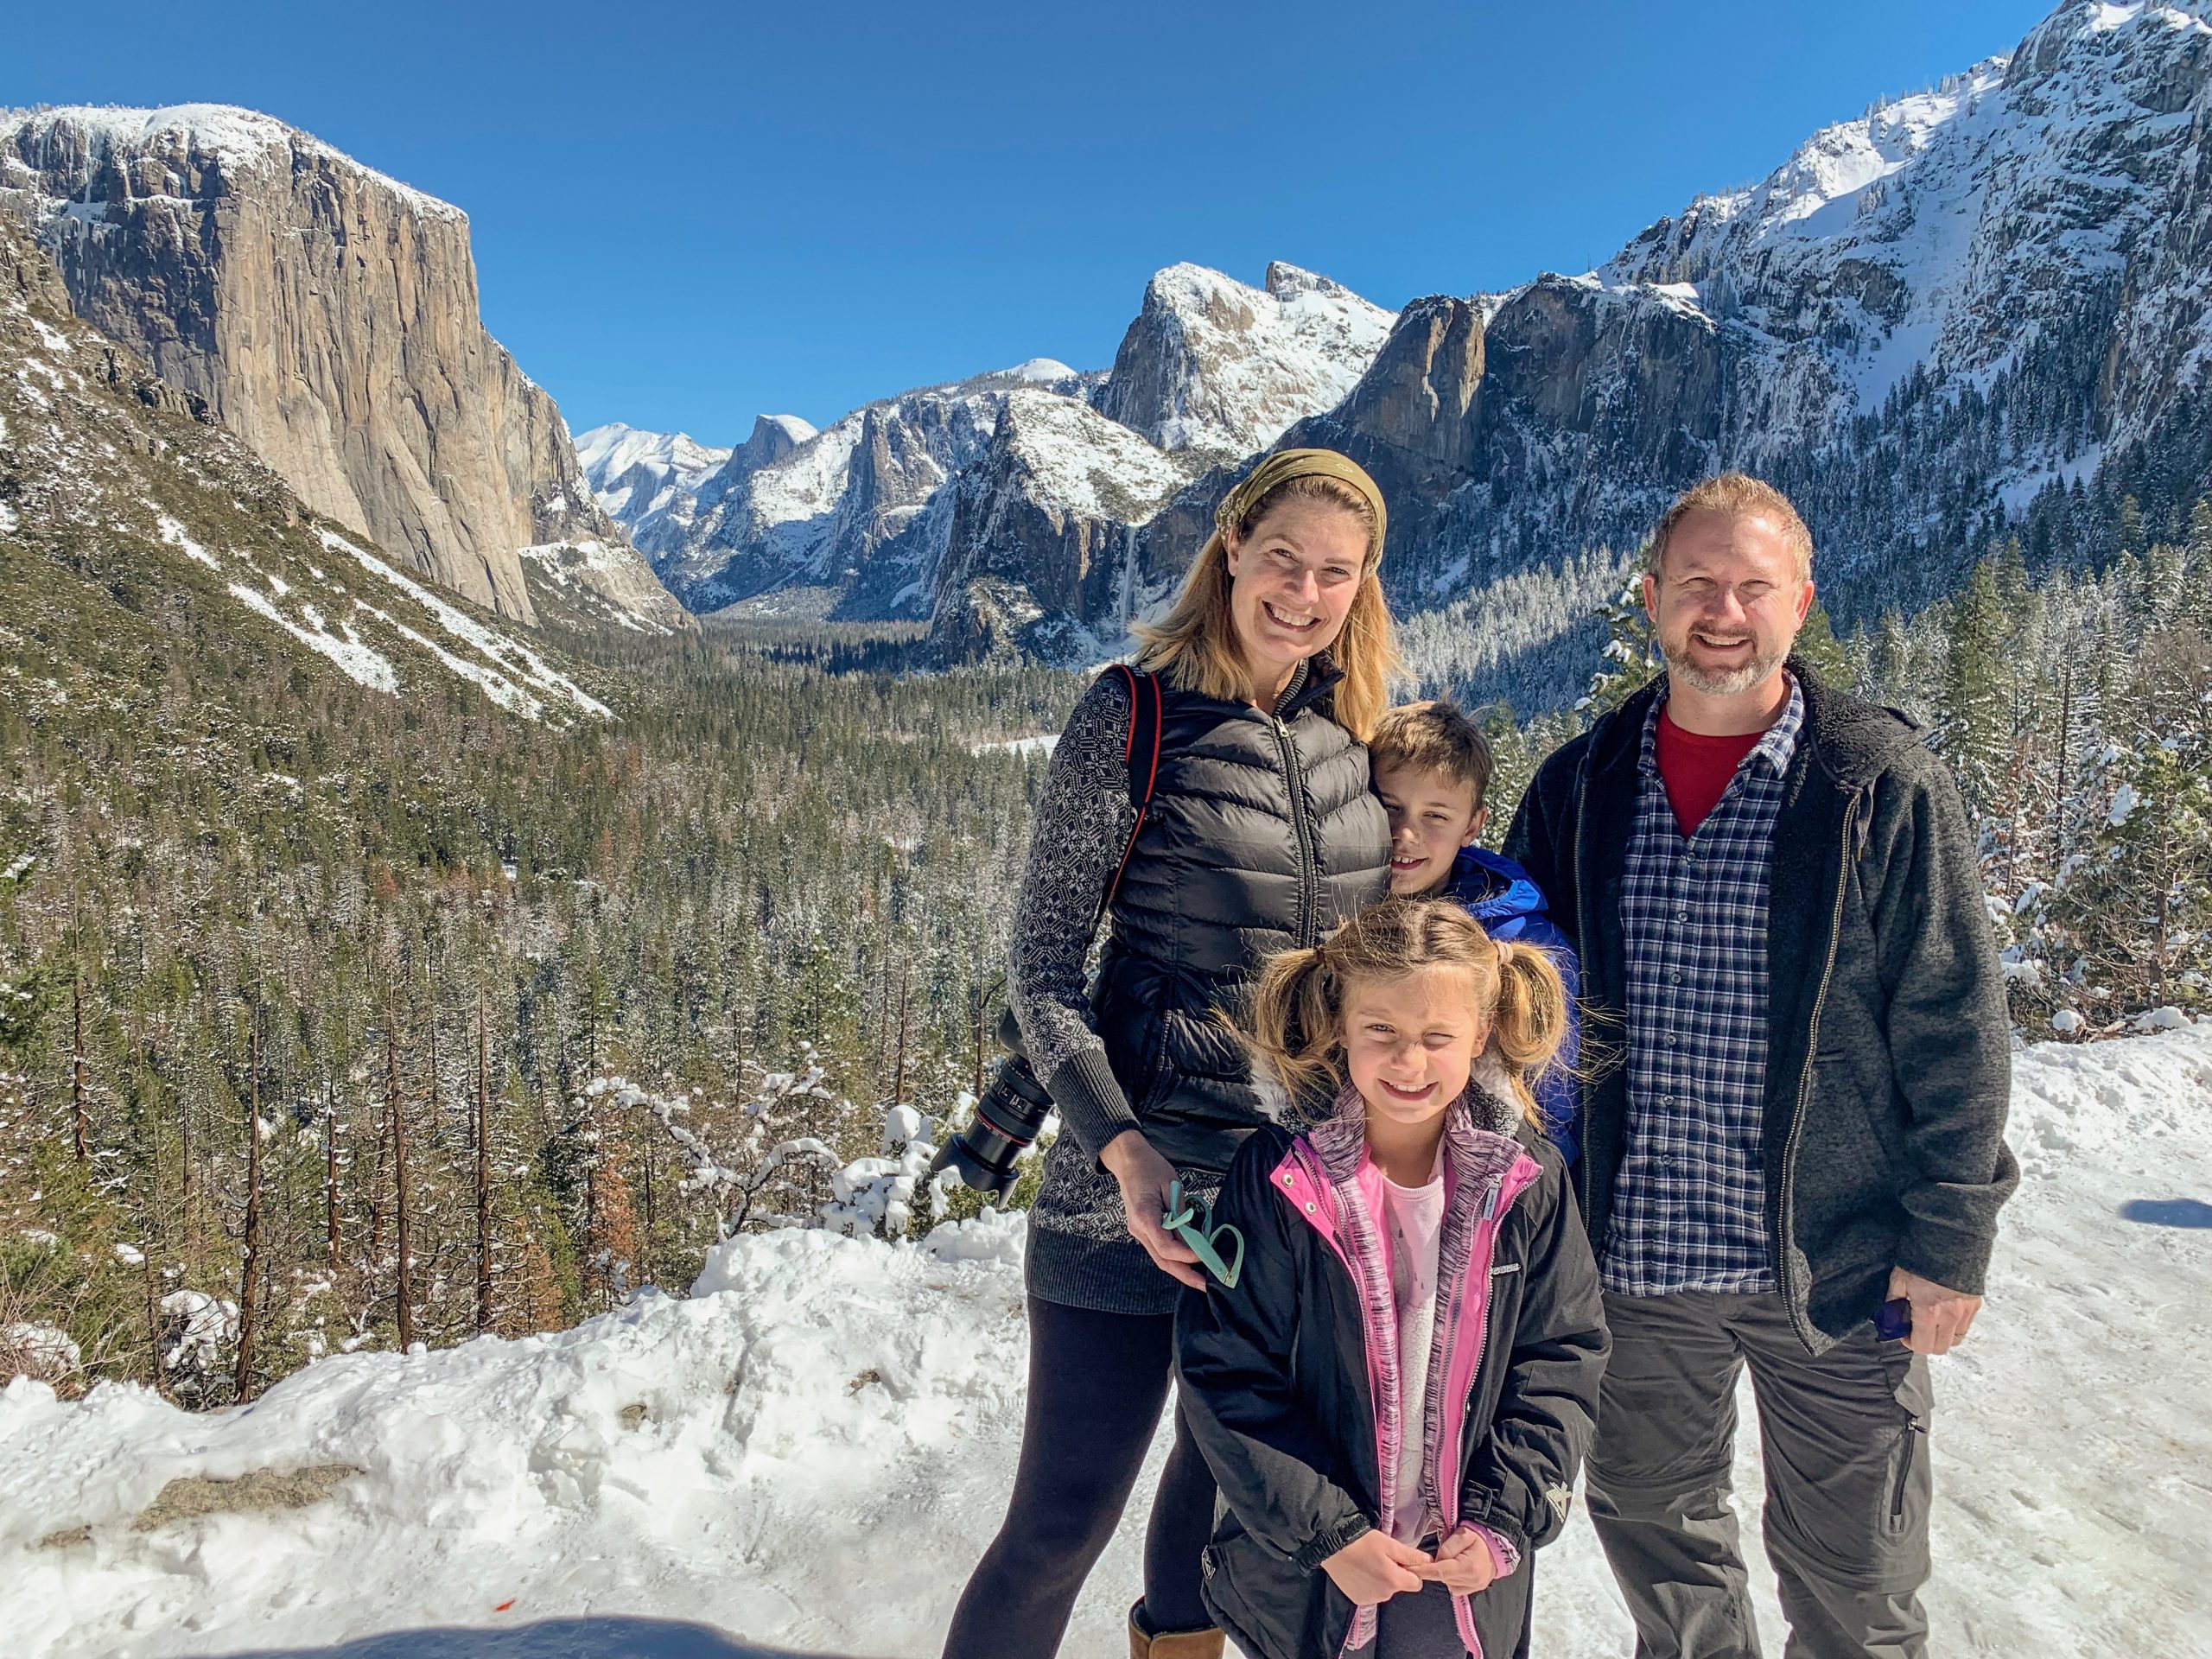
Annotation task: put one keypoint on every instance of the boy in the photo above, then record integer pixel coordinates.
(1432, 767)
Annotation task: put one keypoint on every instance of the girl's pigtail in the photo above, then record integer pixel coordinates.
(1530, 1023)
(1293, 1022)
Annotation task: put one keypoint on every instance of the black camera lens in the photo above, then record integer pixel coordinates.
(1008, 1118)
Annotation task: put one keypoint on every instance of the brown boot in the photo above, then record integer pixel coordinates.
(1147, 1644)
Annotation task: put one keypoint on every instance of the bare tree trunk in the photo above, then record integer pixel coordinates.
(330, 1168)
(403, 1297)
(898, 1076)
(975, 1030)
(249, 1301)
(647, 1271)
(151, 1277)
(591, 1194)
(483, 1167)
(80, 1117)
(2065, 738)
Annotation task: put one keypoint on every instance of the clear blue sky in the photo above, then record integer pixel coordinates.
(683, 215)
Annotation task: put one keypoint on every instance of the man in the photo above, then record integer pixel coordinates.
(1773, 888)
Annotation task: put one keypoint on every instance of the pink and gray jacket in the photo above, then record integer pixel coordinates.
(1291, 1384)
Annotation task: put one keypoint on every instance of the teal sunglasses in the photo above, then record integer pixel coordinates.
(1184, 1221)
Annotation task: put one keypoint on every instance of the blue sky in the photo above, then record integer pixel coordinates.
(683, 215)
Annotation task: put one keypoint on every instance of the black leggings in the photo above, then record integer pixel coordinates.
(1097, 1383)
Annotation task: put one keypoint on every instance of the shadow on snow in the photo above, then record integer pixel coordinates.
(2168, 1212)
(552, 1639)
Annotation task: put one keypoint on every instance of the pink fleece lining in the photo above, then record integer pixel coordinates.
(1302, 1179)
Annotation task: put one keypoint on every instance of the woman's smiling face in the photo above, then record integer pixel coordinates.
(1292, 582)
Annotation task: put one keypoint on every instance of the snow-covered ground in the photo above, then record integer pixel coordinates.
(806, 1457)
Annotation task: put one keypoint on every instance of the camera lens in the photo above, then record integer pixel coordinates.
(1007, 1122)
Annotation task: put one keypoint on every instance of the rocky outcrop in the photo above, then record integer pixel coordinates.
(325, 313)
(1042, 553)
(1214, 367)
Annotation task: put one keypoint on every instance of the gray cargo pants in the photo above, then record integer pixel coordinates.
(1845, 1440)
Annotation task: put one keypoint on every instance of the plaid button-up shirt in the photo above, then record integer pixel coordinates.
(1689, 1205)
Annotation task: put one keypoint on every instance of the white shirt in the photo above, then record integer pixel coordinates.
(1414, 1221)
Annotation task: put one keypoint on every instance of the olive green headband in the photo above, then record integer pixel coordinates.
(1287, 464)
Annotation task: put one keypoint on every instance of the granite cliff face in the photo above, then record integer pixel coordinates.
(1042, 556)
(128, 513)
(328, 316)
(1212, 366)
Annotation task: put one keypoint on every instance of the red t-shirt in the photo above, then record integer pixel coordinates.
(1696, 769)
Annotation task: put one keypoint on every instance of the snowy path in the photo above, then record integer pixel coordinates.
(810, 1461)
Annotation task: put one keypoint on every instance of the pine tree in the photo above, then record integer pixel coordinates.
(1631, 657)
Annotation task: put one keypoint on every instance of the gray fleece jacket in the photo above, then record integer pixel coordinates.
(1889, 1047)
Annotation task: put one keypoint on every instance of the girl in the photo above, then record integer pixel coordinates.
(1395, 1392)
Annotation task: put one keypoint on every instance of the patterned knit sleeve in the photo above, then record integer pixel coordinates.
(1082, 824)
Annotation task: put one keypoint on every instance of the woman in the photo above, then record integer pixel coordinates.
(1262, 834)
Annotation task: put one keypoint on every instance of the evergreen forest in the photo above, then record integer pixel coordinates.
(334, 1020)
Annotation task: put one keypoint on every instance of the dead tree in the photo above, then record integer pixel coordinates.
(249, 1279)
(403, 1299)
(483, 1167)
(79, 1112)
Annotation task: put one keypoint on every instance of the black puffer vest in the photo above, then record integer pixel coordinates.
(1263, 833)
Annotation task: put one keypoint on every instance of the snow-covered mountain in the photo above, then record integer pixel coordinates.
(917, 506)
(1931, 324)
(715, 1474)
(650, 481)
(329, 315)
(1212, 365)
(126, 512)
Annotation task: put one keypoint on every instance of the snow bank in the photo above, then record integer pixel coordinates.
(810, 1452)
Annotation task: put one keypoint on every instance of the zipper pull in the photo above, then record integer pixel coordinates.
(1491, 1202)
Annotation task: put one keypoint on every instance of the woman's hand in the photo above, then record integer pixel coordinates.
(1374, 1567)
(1145, 1177)
(1464, 1564)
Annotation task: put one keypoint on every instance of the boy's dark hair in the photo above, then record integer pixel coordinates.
(1435, 736)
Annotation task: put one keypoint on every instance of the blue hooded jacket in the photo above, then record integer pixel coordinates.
(1503, 897)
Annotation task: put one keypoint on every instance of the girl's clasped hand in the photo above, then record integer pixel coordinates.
(1375, 1566)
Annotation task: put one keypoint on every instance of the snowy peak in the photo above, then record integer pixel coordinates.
(616, 452)
(180, 142)
(1212, 365)
(1950, 229)
(793, 429)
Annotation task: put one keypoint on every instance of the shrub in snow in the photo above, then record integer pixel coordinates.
(762, 1177)
(198, 1332)
(39, 1352)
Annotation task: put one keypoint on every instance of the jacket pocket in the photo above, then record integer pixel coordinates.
(1850, 1116)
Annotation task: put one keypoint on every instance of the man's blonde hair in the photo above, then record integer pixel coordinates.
(1740, 496)
(1435, 737)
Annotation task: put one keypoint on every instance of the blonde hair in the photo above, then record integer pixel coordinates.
(1740, 496)
(1434, 737)
(1195, 643)
(1297, 1030)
